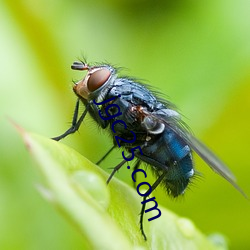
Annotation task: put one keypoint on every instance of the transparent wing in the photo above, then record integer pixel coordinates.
(175, 124)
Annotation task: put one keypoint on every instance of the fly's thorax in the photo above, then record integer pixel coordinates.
(152, 122)
(95, 84)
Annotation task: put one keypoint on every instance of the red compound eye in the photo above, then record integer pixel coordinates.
(97, 79)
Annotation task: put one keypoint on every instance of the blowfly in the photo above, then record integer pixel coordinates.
(154, 133)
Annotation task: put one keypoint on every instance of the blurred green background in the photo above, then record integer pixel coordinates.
(197, 53)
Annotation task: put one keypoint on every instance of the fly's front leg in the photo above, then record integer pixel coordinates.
(75, 124)
(96, 115)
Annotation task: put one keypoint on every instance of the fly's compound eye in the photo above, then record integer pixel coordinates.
(97, 79)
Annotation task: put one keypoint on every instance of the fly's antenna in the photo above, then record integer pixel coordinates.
(80, 66)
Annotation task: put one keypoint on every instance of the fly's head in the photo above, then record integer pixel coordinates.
(95, 82)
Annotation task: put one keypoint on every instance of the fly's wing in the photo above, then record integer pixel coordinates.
(174, 123)
(210, 158)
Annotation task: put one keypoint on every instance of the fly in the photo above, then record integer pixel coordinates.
(164, 141)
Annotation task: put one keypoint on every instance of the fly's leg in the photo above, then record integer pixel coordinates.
(137, 165)
(153, 187)
(105, 155)
(75, 124)
(116, 169)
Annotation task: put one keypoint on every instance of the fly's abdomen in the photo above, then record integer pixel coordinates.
(180, 168)
(173, 156)
(178, 176)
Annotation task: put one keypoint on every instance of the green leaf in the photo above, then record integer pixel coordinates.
(106, 216)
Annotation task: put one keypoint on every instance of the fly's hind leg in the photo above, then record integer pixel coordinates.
(137, 165)
(153, 187)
